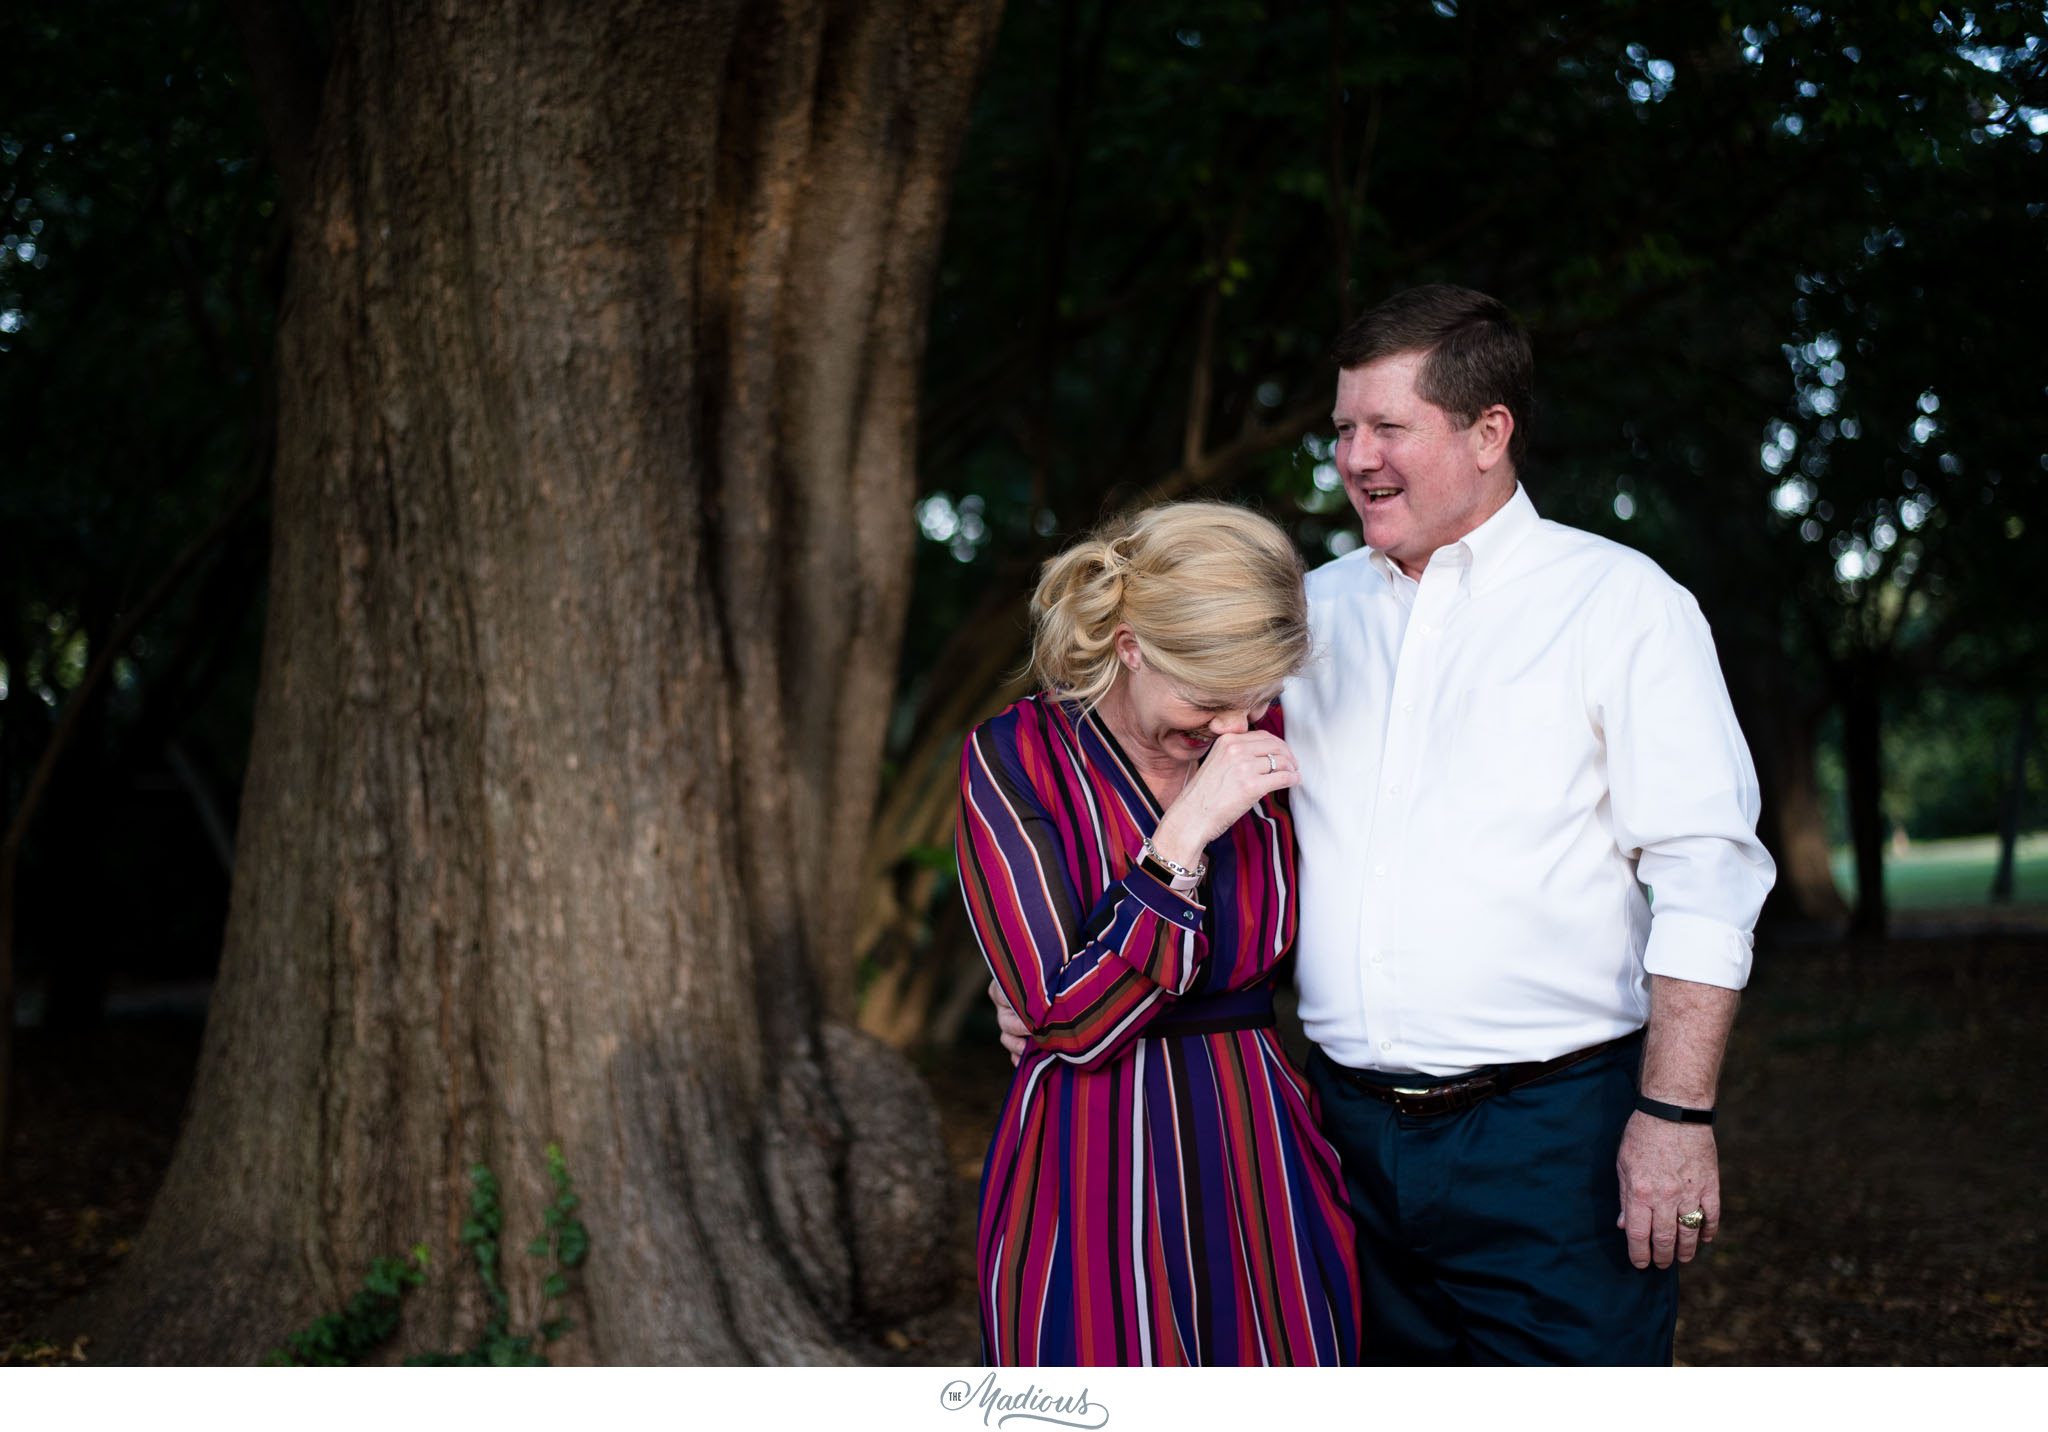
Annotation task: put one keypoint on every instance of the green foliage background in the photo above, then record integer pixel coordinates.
(139, 261)
(1783, 265)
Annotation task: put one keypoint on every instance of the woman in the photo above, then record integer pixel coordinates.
(1156, 1191)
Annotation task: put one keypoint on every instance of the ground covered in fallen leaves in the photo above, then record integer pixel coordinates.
(1884, 1152)
(1885, 1156)
(96, 1116)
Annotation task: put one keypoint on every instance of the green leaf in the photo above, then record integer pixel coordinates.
(372, 1314)
(930, 857)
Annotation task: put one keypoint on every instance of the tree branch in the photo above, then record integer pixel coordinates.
(1339, 204)
(75, 706)
(287, 71)
(1226, 462)
(1195, 430)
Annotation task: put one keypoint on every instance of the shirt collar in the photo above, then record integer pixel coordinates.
(1482, 550)
(1492, 540)
(1394, 577)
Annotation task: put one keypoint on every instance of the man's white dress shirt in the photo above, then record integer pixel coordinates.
(1496, 761)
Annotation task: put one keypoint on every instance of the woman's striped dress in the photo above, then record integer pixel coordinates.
(1149, 1196)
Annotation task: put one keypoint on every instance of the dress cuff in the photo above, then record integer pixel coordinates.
(1693, 947)
(1162, 899)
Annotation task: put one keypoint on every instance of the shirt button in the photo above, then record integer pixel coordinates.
(1407, 705)
(1376, 959)
(1385, 1045)
(1428, 630)
(1379, 870)
(1393, 790)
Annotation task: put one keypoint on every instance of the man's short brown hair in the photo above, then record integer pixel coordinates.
(1477, 355)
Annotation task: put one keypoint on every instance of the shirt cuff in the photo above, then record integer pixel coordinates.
(1693, 947)
(1162, 899)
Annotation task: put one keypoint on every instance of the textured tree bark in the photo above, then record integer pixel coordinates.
(598, 366)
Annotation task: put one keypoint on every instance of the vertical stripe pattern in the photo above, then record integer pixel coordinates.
(1146, 1200)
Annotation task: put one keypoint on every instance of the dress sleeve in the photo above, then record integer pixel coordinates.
(1085, 980)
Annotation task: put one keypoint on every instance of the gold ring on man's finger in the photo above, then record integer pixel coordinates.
(1695, 1219)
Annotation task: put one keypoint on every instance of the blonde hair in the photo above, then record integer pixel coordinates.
(1212, 593)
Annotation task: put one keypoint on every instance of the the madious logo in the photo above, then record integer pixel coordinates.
(1032, 1403)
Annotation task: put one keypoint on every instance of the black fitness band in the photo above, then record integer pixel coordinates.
(1157, 871)
(1659, 1109)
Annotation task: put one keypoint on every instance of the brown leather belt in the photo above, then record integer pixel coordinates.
(1457, 1095)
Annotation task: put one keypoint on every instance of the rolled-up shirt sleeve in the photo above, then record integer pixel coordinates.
(1684, 794)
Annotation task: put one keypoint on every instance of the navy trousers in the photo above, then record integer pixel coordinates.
(1488, 1236)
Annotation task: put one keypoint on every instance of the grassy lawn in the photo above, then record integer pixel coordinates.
(1936, 874)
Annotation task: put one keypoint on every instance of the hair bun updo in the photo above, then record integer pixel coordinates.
(1212, 593)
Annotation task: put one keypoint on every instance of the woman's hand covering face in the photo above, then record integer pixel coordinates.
(1239, 771)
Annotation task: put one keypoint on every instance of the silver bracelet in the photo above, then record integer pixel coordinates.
(1151, 852)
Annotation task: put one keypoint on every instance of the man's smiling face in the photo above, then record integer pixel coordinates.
(1418, 480)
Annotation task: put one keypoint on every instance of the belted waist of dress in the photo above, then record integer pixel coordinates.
(1217, 1013)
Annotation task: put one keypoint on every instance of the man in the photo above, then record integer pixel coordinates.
(1512, 729)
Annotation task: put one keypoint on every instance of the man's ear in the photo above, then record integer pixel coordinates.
(1490, 434)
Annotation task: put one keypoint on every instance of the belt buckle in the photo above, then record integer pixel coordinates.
(1442, 1098)
(1413, 1102)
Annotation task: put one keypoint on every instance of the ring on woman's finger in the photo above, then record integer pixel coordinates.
(1271, 764)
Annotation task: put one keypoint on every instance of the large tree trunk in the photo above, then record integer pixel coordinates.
(1782, 726)
(2012, 810)
(1863, 772)
(598, 367)
(1806, 874)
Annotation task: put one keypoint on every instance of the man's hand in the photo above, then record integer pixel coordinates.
(1016, 1034)
(1667, 1169)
